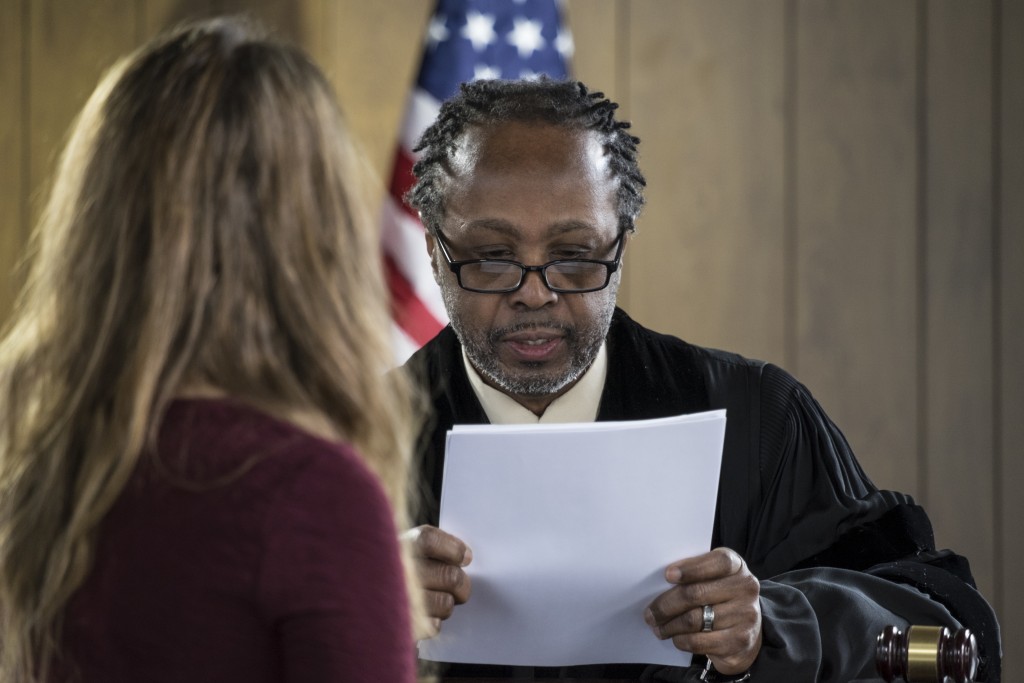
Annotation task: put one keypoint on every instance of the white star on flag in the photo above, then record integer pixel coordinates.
(564, 44)
(437, 32)
(525, 36)
(479, 30)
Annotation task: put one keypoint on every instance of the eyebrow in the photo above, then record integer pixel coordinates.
(510, 230)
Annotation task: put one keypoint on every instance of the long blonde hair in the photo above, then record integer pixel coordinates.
(203, 229)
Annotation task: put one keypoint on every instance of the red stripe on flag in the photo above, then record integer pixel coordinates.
(402, 179)
(407, 310)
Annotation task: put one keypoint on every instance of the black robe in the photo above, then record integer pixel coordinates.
(838, 559)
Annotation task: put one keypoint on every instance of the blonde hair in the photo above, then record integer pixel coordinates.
(204, 229)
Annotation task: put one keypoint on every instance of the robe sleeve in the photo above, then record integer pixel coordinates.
(840, 559)
(820, 624)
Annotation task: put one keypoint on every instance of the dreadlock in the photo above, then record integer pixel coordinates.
(488, 102)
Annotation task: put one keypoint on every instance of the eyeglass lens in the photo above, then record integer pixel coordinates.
(567, 275)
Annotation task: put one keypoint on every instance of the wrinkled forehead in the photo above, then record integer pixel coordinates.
(525, 148)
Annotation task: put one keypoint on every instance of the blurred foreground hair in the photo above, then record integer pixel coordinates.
(205, 232)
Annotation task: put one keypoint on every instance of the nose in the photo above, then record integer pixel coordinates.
(533, 293)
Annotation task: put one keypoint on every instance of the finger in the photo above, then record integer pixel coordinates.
(444, 578)
(732, 644)
(431, 542)
(690, 621)
(439, 605)
(726, 616)
(712, 565)
(678, 601)
(689, 599)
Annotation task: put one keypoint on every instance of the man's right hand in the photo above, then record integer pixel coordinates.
(440, 558)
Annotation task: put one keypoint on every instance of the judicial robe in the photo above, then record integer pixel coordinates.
(838, 559)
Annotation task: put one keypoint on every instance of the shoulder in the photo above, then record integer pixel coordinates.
(629, 337)
(327, 520)
(760, 396)
(210, 441)
(322, 479)
(435, 354)
(437, 366)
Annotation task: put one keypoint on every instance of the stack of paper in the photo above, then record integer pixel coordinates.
(572, 527)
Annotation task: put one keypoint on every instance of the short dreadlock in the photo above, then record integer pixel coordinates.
(563, 103)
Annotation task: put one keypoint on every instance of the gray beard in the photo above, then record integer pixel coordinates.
(483, 355)
(481, 348)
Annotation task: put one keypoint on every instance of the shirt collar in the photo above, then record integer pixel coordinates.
(579, 404)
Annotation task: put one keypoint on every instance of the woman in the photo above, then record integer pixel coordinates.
(198, 440)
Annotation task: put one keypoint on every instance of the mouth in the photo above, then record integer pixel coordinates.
(533, 345)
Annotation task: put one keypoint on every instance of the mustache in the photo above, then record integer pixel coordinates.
(568, 331)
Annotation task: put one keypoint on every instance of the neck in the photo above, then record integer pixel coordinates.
(535, 404)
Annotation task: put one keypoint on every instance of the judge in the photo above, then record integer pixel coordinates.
(529, 192)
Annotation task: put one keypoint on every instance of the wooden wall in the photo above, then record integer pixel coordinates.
(836, 187)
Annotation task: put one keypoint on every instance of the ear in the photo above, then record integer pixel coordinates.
(431, 247)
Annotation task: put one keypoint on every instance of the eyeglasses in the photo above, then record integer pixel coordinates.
(498, 276)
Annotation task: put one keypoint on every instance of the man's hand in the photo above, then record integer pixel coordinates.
(721, 579)
(440, 558)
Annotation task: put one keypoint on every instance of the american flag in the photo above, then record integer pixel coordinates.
(466, 40)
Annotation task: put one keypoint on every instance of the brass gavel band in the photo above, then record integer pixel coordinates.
(923, 653)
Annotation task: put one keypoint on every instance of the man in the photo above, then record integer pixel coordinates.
(529, 191)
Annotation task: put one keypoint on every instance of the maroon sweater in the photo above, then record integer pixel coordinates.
(248, 550)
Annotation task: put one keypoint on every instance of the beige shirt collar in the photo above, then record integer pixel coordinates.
(579, 404)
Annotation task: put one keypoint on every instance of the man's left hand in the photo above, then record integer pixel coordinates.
(722, 580)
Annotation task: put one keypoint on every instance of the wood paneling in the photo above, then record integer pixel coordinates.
(599, 54)
(856, 157)
(706, 94)
(12, 149)
(1009, 262)
(371, 52)
(958, 280)
(160, 15)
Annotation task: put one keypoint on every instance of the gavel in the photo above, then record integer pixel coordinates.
(926, 654)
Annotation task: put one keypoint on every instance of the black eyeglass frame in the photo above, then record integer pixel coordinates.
(456, 267)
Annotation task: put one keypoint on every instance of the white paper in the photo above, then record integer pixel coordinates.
(572, 527)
